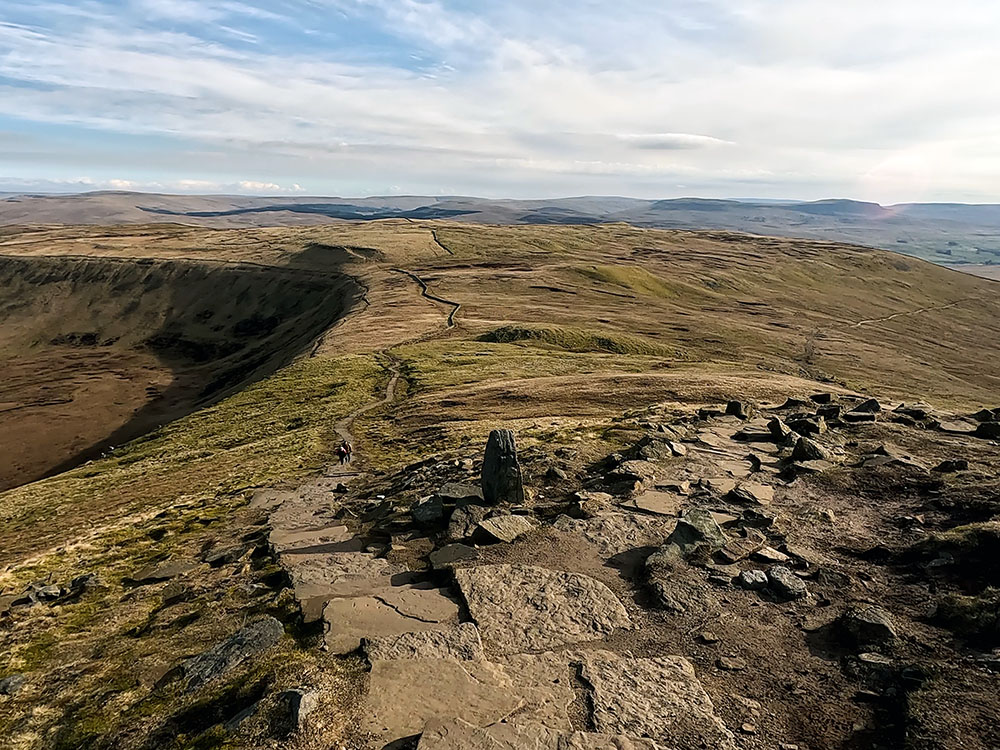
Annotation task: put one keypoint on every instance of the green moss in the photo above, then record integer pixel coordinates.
(442, 364)
(35, 653)
(216, 738)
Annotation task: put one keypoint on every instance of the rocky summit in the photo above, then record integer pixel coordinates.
(609, 488)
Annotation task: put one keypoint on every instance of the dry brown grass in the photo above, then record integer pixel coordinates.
(725, 316)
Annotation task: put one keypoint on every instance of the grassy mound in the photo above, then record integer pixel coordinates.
(579, 340)
(974, 617)
(974, 548)
(634, 278)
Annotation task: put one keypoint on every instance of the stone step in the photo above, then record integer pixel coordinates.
(523, 701)
(389, 611)
(404, 695)
(660, 699)
(521, 608)
(460, 735)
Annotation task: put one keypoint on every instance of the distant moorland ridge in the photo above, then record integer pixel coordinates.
(945, 233)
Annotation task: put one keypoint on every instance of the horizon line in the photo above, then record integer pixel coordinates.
(455, 196)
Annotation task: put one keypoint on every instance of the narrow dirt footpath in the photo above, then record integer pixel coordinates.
(918, 311)
(343, 427)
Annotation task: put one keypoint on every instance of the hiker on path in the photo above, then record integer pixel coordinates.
(344, 451)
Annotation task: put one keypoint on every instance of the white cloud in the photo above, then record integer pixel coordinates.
(672, 141)
(796, 97)
(192, 186)
(251, 186)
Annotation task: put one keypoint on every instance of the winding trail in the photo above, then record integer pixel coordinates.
(918, 311)
(344, 425)
(810, 343)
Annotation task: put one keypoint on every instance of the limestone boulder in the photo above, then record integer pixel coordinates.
(867, 626)
(230, 653)
(696, 528)
(465, 520)
(785, 584)
(809, 450)
(506, 528)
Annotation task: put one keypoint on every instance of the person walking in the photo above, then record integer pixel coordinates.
(344, 452)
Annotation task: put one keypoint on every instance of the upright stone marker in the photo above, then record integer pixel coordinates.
(501, 471)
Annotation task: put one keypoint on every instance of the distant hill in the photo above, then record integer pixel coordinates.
(946, 233)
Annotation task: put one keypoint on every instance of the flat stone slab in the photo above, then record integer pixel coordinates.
(614, 533)
(456, 491)
(451, 554)
(719, 485)
(460, 735)
(461, 642)
(552, 674)
(522, 608)
(752, 493)
(303, 541)
(661, 699)
(404, 695)
(738, 469)
(319, 578)
(390, 611)
(657, 502)
(160, 572)
(507, 528)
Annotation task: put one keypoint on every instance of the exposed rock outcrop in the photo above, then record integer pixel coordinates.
(501, 476)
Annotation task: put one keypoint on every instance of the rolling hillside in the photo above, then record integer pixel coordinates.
(948, 234)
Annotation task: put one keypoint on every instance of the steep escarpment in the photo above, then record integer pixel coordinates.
(98, 351)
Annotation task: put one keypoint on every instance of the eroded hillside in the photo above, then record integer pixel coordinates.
(223, 582)
(97, 351)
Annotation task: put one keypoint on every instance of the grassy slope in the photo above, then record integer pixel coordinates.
(751, 317)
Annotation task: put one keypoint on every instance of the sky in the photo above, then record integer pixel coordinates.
(884, 100)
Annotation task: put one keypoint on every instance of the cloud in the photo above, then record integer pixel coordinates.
(190, 186)
(250, 186)
(672, 141)
(627, 97)
(200, 11)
